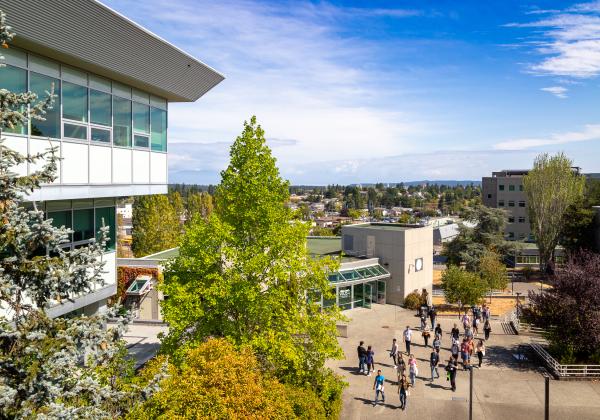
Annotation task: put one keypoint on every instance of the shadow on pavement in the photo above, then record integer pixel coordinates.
(370, 402)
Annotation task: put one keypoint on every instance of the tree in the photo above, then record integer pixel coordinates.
(463, 287)
(551, 187)
(493, 271)
(470, 245)
(199, 204)
(177, 204)
(156, 225)
(569, 310)
(71, 367)
(245, 274)
(578, 227)
(220, 381)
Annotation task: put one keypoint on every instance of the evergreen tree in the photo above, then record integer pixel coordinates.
(51, 368)
(156, 225)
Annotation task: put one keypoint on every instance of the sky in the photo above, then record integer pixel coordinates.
(358, 92)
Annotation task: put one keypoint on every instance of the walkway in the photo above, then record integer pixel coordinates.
(503, 389)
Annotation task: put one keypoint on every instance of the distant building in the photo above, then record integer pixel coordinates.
(445, 233)
(504, 190)
(406, 251)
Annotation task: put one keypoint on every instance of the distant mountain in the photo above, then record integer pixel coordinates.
(449, 182)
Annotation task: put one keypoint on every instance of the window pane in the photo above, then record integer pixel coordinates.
(75, 102)
(106, 217)
(83, 224)
(141, 117)
(100, 135)
(122, 122)
(141, 141)
(100, 108)
(14, 80)
(60, 219)
(50, 126)
(159, 129)
(75, 131)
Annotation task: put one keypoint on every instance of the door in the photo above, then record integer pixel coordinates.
(367, 295)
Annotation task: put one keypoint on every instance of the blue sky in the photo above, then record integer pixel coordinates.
(385, 91)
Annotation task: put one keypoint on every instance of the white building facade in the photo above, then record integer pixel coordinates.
(113, 81)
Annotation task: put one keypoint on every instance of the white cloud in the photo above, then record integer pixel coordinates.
(558, 91)
(589, 132)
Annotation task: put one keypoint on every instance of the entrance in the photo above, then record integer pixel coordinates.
(368, 294)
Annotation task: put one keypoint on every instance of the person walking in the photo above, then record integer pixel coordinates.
(401, 365)
(464, 353)
(437, 343)
(413, 370)
(426, 334)
(438, 332)
(476, 322)
(454, 349)
(362, 357)
(455, 333)
(423, 320)
(466, 321)
(485, 313)
(432, 316)
(403, 391)
(394, 352)
(378, 387)
(370, 361)
(434, 359)
(480, 351)
(407, 336)
(487, 329)
(451, 373)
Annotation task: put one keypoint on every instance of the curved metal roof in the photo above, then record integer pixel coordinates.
(93, 37)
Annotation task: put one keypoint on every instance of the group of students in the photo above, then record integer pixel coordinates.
(466, 350)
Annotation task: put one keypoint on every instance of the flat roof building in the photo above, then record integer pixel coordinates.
(113, 82)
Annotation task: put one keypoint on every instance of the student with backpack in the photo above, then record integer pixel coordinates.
(451, 373)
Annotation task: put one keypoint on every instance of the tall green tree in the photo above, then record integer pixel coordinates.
(493, 271)
(71, 367)
(245, 274)
(471, 244)
(551, 187)
(177, 203)
(156, 225)
(199, 204)
(463, 287)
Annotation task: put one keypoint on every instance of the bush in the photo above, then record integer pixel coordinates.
(412, 300)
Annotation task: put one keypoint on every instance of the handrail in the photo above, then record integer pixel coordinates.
(565, 371)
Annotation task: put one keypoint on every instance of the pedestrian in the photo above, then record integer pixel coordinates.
(370, 360)
(403, 391)
(378, 387)
(401, 365)
(468, 332)
(437, 343)
(466, 321)
(413, 370)
(455, 333)
(480, 351)
(407, 337)
(464, 353)
(394, 352)
(426, 336)
(438, 332)
(454, 349)
(423, 320)
(485, 313)
(476, 322)
(362, 357)
(434, 359)
(432, 316)
(451, 373)
(487, 329)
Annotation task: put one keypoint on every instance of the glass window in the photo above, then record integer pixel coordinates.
(44, 65)
(359, 295)
(100, 135)
(121, 122)
(501, 187)
(500, 203)
(521, 220)
(489, 195)
(521, 187)
(158, 119)
(329, 299)
(345, 297)
(75, 131)
(141, 117)
(74, 75)
(100, 108)
(511, 219)
(140, 141)
(98, 82)
(83, 224)
(511, 203)
(50, 126)
(60, 219)
(521, 204)
(15, 56)
(511, 235)
(511, 188)
(105, 216)
(75, 102)
(14, 80)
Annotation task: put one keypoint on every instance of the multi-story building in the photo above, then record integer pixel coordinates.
(113, 81)
(504, 190)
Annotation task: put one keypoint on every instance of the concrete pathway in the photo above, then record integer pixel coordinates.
(503, 388)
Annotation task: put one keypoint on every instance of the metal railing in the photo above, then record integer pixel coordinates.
(565, 371)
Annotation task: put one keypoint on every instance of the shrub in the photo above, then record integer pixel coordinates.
(412, 300)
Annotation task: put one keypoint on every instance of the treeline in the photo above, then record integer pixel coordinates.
(160, 220)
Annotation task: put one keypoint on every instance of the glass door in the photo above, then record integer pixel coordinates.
(368, 295)
(381, 292)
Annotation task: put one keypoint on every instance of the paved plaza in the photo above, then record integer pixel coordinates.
(503, 387)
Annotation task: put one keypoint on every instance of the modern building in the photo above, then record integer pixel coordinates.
(113, 82)
(504, 190)
(405, 251)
